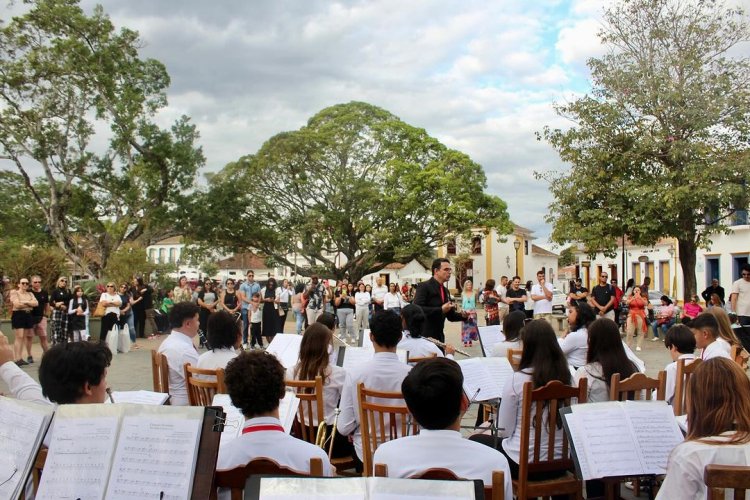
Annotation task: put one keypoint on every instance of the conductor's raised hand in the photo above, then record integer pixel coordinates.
(447, 307)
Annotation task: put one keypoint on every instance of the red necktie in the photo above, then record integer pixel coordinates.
(442, 294)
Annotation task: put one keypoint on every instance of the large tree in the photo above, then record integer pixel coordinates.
(354, 189)
(76, 122)
(659, 147)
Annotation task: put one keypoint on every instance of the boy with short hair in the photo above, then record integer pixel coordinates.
(706, 331)
(681, 344)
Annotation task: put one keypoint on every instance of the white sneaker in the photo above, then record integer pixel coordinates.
(637, 348)
(244, 347)
(629, 485)
(655, 339)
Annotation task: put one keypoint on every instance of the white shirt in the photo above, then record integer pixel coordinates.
(501, 291)
(446, 449)
(279, 446)
(509, 420)
(671, 370)
(689, 459)
(362, 299)
(111, 297)
(719, 348)
(391, 300)
(635, 359)
(378, 292)
(542, 306)
(576, 346)
(21, 385)
(283, 294)
(179, 350)
(742, 288)
(216, 358)
(256, 315)
(419, 347)
(385, 373)
(598, 390)
(500, 350)
(332, 387)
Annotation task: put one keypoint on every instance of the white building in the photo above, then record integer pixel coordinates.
(411, 272)
(166, 251)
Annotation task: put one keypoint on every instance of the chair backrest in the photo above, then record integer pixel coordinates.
(721, 477)
(638, 386)
(418, 359)
(382, 416)
(160, 371)
(546, 402)
(495, 491)
(311, 410)
(237, 477)
(514, 357)
(36, 472)
(684, 372)
(201, 390)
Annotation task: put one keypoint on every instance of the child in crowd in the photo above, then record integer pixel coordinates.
(256, 315)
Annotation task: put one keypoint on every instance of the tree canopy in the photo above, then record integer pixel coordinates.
(354, 189)
(65, 78)
(659, 147)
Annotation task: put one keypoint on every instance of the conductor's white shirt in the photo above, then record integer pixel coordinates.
(411, 455)
(384, 372)
(689, 459)
(179, 350)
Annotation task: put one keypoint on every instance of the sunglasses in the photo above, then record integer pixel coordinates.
(24, 283)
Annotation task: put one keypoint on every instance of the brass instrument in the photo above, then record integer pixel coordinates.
(323, 437)
(443, 345)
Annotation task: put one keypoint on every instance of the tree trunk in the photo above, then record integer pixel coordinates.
(687, 249)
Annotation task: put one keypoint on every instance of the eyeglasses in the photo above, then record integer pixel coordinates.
(23, 283)
(36, 282)
(110, 286)
(745, 274)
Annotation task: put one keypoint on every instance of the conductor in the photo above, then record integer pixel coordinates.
(435, 300)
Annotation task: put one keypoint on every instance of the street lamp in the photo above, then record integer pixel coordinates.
(673, 285)
(516, 245)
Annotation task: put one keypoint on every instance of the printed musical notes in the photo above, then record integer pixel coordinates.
(489, 336)
(484, 378)
(285, 346)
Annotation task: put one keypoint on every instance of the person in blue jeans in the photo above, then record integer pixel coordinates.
(665, 317)
(247, 290)
(299, 313)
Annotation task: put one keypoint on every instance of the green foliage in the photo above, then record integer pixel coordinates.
(20, 218)
(355, 181)
(63, 75)
(661, 142)
(19, 261)
(128, 261)
(567, 257)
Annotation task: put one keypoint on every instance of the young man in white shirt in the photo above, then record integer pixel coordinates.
(384, 373)
(706, 331)
(255, 383)
(179, 349)
(681, 344)
(433, 391)
(541, 294)
(740, 296)
(378, 294)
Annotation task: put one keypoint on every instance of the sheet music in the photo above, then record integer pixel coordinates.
(80, 455)
(682, 422)
(360, 488)
(285, 346)
(139, 397)
(366, 341)
(601, 435)
(655, 427)
(234, 420)
(487, 375)
(355, 356)
(22, 428)
(288, 407)
(489, 336)
(155, 458)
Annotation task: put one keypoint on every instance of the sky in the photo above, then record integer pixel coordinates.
(480, 76)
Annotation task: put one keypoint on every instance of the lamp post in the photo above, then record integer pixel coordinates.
(516, 245)
(672, 285)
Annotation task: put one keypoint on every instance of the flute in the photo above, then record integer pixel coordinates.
(443, 345)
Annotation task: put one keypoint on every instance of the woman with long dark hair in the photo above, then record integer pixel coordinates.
(78, 309)
(314, 359)
(412, 323)
(270, 311)
(491, 299)
(575, 342)
(512, 326)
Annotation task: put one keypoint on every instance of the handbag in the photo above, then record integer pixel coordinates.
(112, 339)
(99, 311)
(123, 338)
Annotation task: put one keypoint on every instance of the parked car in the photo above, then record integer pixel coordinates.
(559, 300)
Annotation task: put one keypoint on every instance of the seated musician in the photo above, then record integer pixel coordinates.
(706, 331)
(255, 383)
(433, 391)
(74, 373)
(412, 323)
(681, 344)
(718, 413)
(384, 373)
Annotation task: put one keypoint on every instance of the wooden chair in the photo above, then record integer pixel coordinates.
(380, 422)
(546, 402)
(636, 387)
(236, 478)
(201, 391)
(721, 477)
(311, 409)
(160, 371)
(496, 491)
(36, 471)
(684, 372)
(418, 359)
(514, 357)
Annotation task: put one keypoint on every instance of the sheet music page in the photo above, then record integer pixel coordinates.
(139, 397)
(288, 407)
(22, 428)
(285, 346)
(366, 342)
(500, 370)
(602, 434)
(656, 430)
(156, 454)
(234, 421)
(478, 377)
(682, 422)
(355, 356)
(80, 452)
(576, 436)
(489, 336)
(389, 488)
(294, 488)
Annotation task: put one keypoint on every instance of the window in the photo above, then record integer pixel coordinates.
(739, 218)
(526, 247)
(162, 255)
(152, 255)
(476, 245)
(451, 246)
(172, 255)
